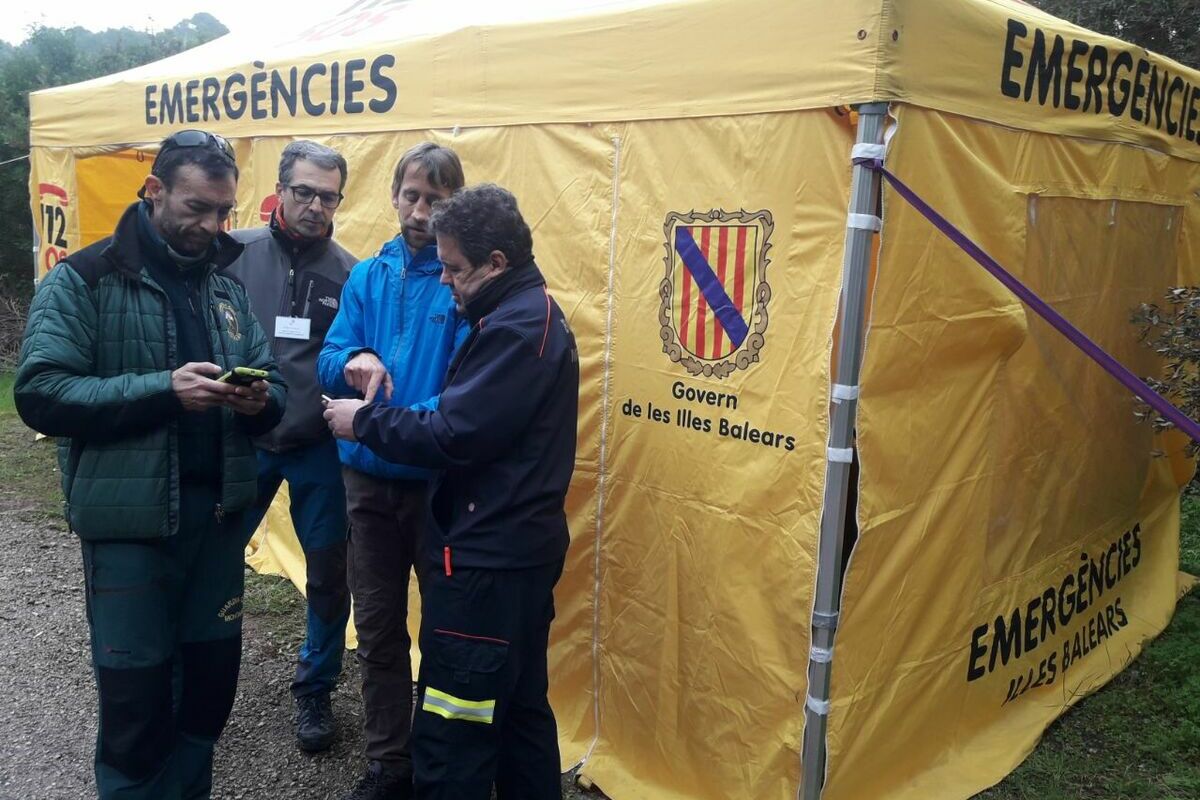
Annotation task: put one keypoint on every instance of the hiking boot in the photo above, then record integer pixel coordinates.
(314, 722)
(381, 784)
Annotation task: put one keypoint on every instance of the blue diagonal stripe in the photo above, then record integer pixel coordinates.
(710, 286)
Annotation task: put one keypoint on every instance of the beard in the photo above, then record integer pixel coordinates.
(185, 242)
(416, 239)
(190, 245)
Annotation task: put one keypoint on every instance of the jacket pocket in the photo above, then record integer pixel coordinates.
(69, 465)
(121, 490)
(322, 298)
(465, 653)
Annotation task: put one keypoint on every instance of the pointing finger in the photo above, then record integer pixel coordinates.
(373, 386)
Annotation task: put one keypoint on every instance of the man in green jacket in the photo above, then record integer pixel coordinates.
(122, 353)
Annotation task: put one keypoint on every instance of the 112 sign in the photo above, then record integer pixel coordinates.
(54, 223)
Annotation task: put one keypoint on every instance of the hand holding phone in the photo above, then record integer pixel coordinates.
(250, 389)
(339, 415)
(244, 376)
(193, 384)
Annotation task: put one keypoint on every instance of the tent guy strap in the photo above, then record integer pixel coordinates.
(1043, 309)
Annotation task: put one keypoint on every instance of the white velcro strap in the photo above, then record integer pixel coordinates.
(818, 707)
(842, 455)
(843, 392)
(868, 150)
(821, 620)
(821, 655)
(864, 222)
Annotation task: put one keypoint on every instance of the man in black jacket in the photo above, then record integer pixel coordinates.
(503, 436)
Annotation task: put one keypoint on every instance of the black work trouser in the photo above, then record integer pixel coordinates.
(483, 717)
(385, 525)
(166, 629)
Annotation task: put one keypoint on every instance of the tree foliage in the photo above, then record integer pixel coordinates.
(55, 57)
(1173, 331)
(1167, 27)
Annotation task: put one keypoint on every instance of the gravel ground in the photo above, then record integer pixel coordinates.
(48, 699)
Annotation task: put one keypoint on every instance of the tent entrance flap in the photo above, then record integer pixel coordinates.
(864, 200)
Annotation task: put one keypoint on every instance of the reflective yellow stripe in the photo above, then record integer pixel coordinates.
(458, 701)
(451, 707)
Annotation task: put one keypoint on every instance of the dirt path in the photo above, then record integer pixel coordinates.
(48, 699)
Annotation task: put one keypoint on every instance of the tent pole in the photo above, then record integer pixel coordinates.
(856, 263)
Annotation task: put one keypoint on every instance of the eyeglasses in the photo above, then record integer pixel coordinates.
(305, 194)
(198, 138)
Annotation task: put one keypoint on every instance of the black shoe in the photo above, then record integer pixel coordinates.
(380, 784)
(314, 722)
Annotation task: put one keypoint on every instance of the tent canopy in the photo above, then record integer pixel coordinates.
(416, 65)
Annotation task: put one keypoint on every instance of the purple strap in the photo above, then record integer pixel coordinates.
(1077, 337)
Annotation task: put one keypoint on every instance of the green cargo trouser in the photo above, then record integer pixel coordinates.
(166, 630)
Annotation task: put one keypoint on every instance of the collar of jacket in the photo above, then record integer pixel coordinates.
(495, 292)
(125, 248)
(424, 261)
(286, 237)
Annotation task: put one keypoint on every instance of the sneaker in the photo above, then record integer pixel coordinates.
(380, 784)
(314, 722)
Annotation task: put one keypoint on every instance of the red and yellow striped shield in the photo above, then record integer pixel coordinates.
(715, 292)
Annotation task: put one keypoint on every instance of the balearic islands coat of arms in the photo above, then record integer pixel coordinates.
(715, 291)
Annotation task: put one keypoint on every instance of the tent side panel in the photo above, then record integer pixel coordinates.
(714, 483)
(54, 204)
(1019, 540)
(108, 183)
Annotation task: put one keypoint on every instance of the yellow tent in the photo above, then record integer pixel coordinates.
(687, 169)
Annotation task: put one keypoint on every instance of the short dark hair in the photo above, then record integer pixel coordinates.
(209, 157)
(441, 165)
(481, 219)
(305, 150)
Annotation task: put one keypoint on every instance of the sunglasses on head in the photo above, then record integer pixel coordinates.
(197, 138)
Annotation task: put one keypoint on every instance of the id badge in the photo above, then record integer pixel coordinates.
(293, 328)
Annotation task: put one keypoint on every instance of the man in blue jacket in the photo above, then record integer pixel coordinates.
(391, 342)
(502, 436)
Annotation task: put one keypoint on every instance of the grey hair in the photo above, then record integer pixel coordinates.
(320, 155)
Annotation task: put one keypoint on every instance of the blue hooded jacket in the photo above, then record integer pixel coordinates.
(502, 435)
(394, 306)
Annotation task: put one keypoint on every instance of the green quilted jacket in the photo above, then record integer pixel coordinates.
(95, 371)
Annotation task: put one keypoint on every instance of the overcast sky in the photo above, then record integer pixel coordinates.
(97, 15)
(259, 15)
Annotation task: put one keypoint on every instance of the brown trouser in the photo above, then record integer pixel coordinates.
(386, 517)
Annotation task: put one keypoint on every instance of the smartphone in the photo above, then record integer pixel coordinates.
(244, 376)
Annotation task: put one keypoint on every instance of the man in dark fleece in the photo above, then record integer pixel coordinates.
(502, 436)
(293, 272)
